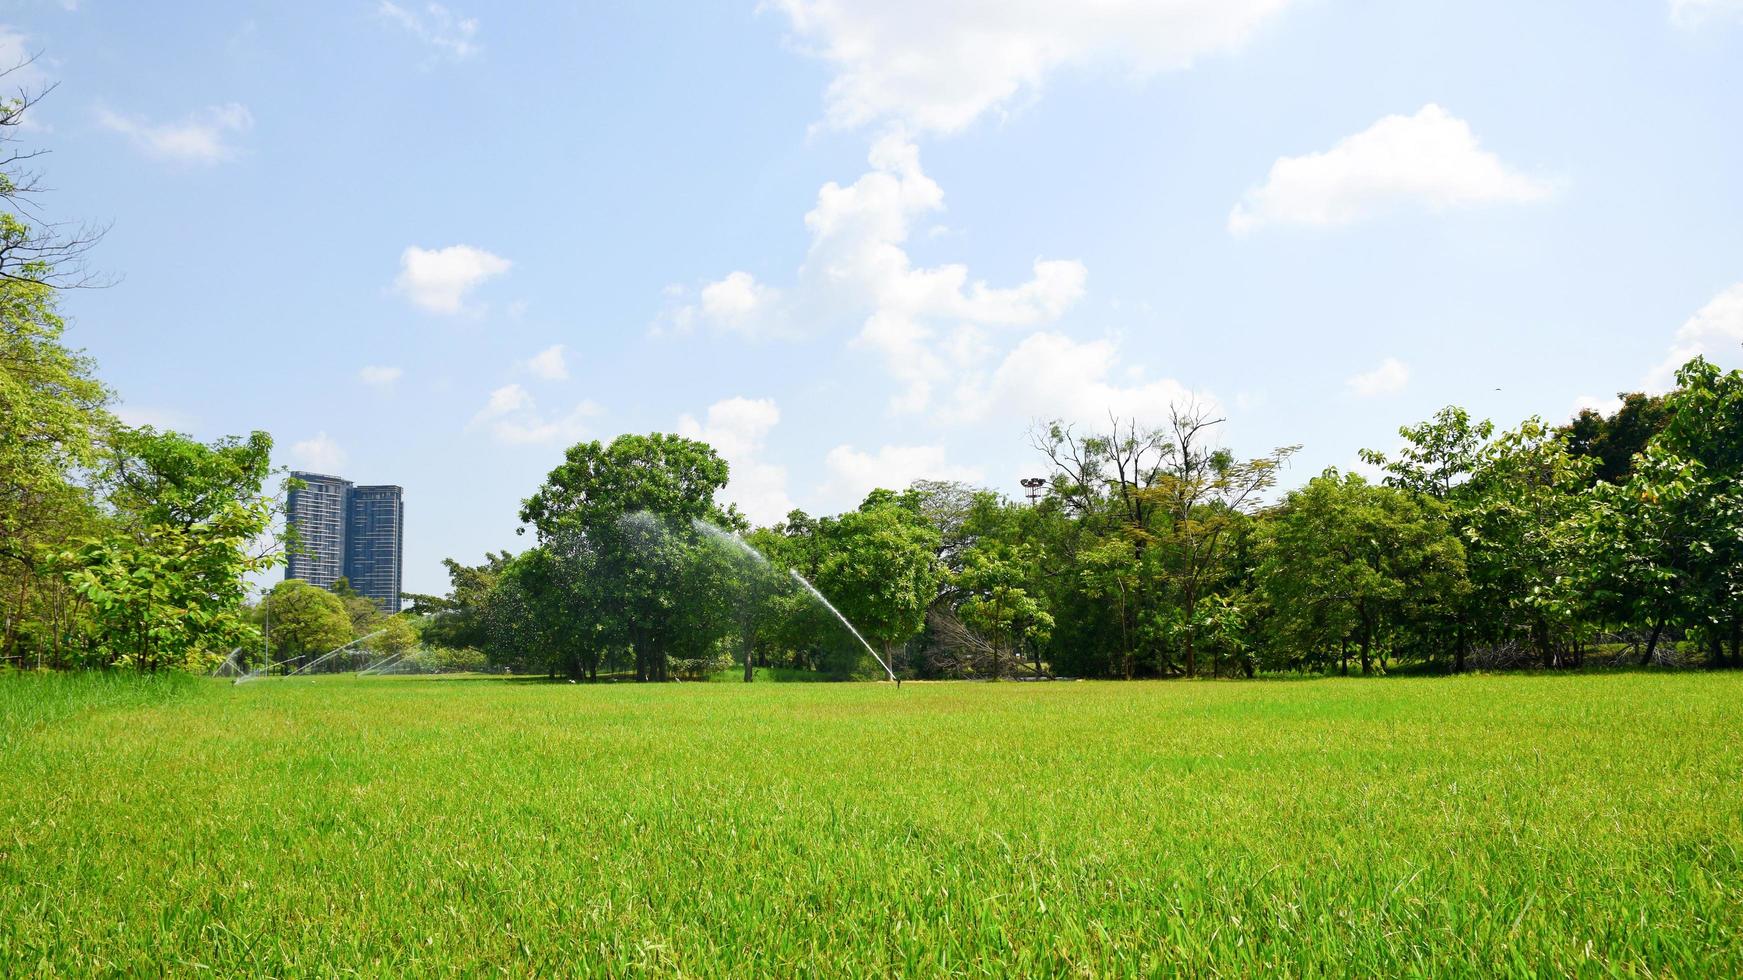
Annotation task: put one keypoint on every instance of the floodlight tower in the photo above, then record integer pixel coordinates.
(1034, 484)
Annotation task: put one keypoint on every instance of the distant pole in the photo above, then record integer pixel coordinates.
(1034, 484)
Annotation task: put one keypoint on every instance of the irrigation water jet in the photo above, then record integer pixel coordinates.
(323, 658)
(229, 662)
(762, 559)
(382, 664)
(732, 538)
(831, 607)
(335, 652)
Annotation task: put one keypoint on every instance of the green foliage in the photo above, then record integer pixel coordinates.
(1614, 442)
(394, 635)
(616, 528)
(1348, 564)
(880, 569)
(1155, 552)
(118, 546)
(165, 586)
(304, 621)
(994, 601)
(52, 420)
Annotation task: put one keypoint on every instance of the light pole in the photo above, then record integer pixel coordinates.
(1034, 484)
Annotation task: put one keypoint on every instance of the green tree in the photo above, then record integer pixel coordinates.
(630, 507)
(1436, 462)
(1347, 562)
(994, 600)
(366, 617)
(1682, 512)
(395, 636)
(304, 621)
(1522, 515)
(166, 581)
(52, 418)
(880, 569)
(1614, 441)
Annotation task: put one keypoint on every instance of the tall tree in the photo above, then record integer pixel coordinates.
(631, 505)
(880, 569)
(304, 621)
(1347, 562)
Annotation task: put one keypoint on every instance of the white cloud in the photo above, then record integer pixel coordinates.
(1051, 376)
(853, 473)
(940, 64)
(738, 429)
(1603, 406)
(379, 376)
(1429, 161)
(1389, 378)
(512, 417)
(1714, 332)
(319, 453)
(449, 33)
(158, 417)
(548, 364)
(439, 279)
(17, 54)
(737, 300)
(200, 138)
(926, 324)
(1693, 13)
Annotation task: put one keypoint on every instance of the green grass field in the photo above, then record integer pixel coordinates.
(1481, 825)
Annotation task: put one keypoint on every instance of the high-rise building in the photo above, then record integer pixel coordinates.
(348, 531)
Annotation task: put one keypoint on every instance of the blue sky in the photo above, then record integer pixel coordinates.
(859, 243)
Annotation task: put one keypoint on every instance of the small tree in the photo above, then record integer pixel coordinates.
(395, 636)
(995, 603)
(880, 569)
(304, 620)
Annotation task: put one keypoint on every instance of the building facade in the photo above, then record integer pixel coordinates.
(347, 531)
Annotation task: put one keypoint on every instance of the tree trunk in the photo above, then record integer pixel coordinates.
(1652, 642)
(749, 653)
(1459, 650)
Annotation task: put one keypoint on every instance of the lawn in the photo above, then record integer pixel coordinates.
(1483, 825)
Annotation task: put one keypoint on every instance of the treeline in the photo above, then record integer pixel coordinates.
(119, 546)
(1151, 551)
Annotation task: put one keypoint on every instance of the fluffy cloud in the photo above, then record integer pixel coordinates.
(1692, 13)
(926, 324)
(738, 429)
(1429, 161)
(319, 453)
(1603, 406)
(548, 364)
(160, 418)
(853, 473)
(201, 138)
(1388, 379)
(512, 416)
(448, 33)
(940, 64)
(379, 376)
(20, 55)
(1713, 332)
(439, 279)
(1051, 376)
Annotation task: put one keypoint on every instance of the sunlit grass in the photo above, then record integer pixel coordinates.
(1517, 825)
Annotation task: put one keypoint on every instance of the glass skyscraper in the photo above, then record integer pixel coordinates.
(348, 531)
